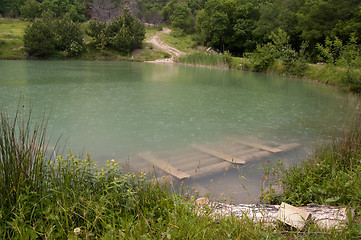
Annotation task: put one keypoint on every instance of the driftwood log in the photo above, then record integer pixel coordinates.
(325, 217)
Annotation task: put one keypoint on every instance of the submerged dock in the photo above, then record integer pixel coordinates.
(198, 161)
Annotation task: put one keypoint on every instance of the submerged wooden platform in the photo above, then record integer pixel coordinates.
(198, 161)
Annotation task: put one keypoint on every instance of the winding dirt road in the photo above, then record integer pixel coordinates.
(159, 44)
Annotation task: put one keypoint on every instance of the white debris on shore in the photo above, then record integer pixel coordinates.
(326, 217)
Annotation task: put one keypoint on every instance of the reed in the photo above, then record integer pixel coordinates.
(22, 144)
(331, 176)
(205, 59)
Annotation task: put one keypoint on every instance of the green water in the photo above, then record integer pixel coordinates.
(114, 110)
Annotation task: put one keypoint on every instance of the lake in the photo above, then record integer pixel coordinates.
(146, 114)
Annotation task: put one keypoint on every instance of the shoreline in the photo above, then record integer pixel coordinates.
(171, 61)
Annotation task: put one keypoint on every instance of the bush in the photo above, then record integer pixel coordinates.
(278, 56)
(124, 35)
(61, 36)
(332, 176)
(39, 39)
(69, 38)
(30, 10)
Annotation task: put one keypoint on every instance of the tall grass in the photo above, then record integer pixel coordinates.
(331, 176)
(22, 144)
(205, 59)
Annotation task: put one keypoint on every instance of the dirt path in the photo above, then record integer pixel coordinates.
(159, 44)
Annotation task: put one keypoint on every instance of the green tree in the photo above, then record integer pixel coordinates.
(48, 37)
(213, 24)
(39, 39)
(279, 14)
(337, 52)
(278, 49)
(319, 19)
(124, 35)
(182, 17)
(30, 10)
(57, 8)
(10, 8)
(244, 21)
(96, 30)
(69, 38)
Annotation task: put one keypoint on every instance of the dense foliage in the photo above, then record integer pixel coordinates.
(60, 37)
(237, 26)
(125, 34)
(31, 9)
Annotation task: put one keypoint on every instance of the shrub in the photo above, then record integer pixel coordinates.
(40, 31)
(127, 33)
(124, 35)
(30, 10)
(69, 38)
(61, 36)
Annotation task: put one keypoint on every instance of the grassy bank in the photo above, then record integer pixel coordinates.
(331, 176)
(12, 45)
(11, 38)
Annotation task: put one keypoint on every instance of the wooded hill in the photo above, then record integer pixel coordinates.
(234, 25)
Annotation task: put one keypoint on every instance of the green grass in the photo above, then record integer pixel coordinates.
(205, 59)
(11, 38)
(182, 42)
(331, 176)
(239, 63)
(340, 76)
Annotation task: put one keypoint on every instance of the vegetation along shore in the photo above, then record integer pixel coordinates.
(66, 197)
(317, 40)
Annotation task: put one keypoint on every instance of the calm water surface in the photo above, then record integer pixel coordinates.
(114, 110)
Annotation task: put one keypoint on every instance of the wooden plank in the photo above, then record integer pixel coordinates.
(210, 169)
(219, 154)
(293, 216)
(192, 168)
(259, 146)
(290, 146)
(256, 155)
(165, 166)
(246, 152)
(189, 159)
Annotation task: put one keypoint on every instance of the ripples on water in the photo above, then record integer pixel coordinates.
(116, 110)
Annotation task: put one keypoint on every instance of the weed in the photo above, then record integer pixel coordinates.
(206, 59)
(331, 176)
